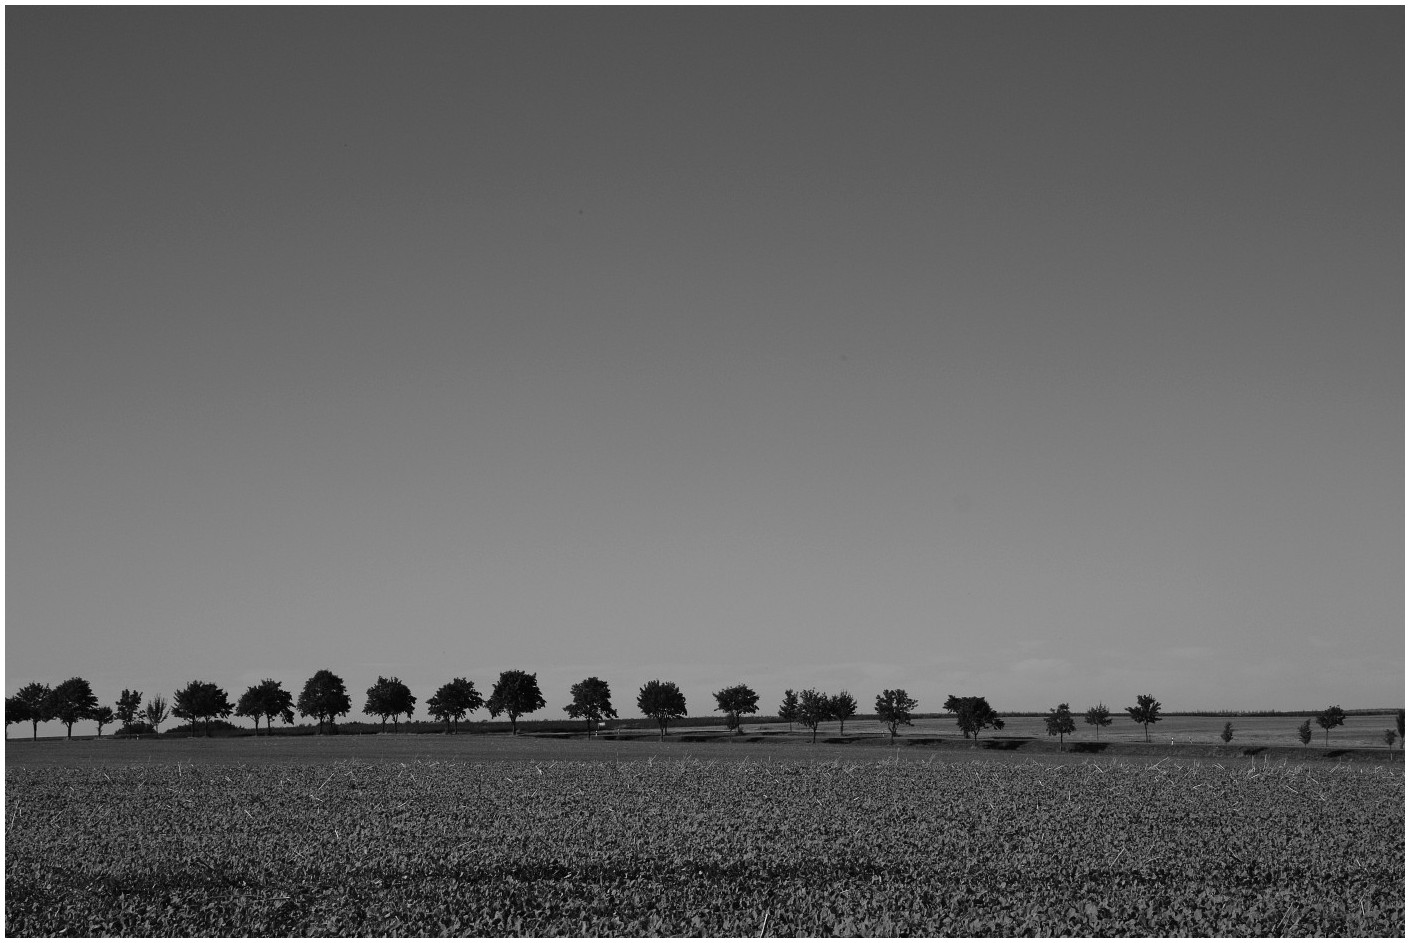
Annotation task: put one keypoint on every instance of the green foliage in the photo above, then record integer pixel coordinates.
(1098, 717)
(973, 714)
(324, 698)
(736, 700)
(1227, 733)
(1333, 716)
(814, 707)
(1060, 723)
(201, 700)
(662, 701)
(788, 709)
(269, 700)
(453, 700)
(1145, 713)
(707, 849)
(893, 708)
(592, 701)
(1304, 731)
(516, 693)
(389, 697)
(71, 702)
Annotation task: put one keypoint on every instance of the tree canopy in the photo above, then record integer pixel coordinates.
(31, 703)
(1145, 713)
(662, 701)
(1333, 716)
(1098, 717)
(269, 700)
(841, 707)
(516, 693)
(814, 707)
(735, 700)
(788, 709)
(453, 700)
(129, 705)
(973, 714)
(592, 701)
(71, 702)
(893, 708)
(324, 698)
(201, 700)
(389, 697)
(1060, 723)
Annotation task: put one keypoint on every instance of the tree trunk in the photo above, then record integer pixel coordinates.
(70, 734)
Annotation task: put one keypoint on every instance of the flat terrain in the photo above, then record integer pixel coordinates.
(1267, 738)
(526, 837)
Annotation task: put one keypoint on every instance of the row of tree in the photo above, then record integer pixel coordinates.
(325, 698)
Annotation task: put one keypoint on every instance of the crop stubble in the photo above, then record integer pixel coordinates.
(684, 846)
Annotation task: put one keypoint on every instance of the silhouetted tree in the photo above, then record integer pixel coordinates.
(324, 698)
(1400, 726)
(516, 693)
(592, 701)
(389, 697)
(1145, 713)
(71, 702)
(1060, 723)
(893, 708)
(842, 707)
(156, 713)
(269, 700)
(662, 701)
(1390, 736)
(973, 714)
(103, 715)
(129, 705)
(201, 700)
(453, 700)
(31, 703)
(734, 701)
(1098, 717)
(788, 710)
(1304, 731)
(1227, 733)
(814, 707)
(1333, 716)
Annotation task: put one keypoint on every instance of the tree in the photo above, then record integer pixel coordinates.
(324, 698)
(1098, 717)
(788, 710)
(893, 708)
(453, 700)
(1145, 713)
(156, 713)
(734, 701)
(15, 712)
(1400, 726)
(1227, 733)
(201, 700)
(842, 707)
(973, 714)
(1304, 731)
(103, 715)
(269, 700)
(1390, 736)
(1333, 716)
(516, 693)
(662, 701)
(389, 697)
(1060, 723)
(71, 702)
(814, 707)
(129, 705)
(592, 701)
(31, 704)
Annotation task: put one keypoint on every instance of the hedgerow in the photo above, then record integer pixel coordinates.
(685, 847)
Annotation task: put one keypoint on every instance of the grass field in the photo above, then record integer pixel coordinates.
(534, 836)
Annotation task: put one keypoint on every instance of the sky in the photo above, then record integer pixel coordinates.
(1046, 354)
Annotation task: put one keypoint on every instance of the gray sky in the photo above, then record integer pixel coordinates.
(1045, 354)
